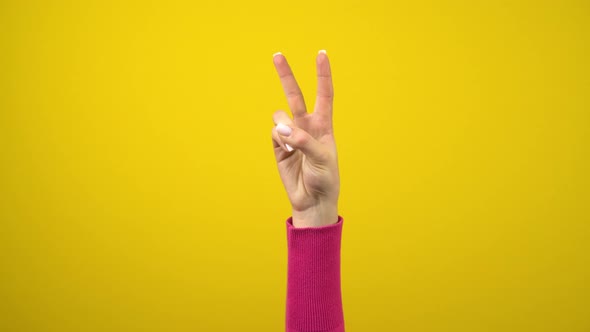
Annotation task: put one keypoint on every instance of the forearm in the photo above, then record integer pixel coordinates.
(314, 300)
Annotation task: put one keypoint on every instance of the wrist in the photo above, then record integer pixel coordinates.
(316, 216)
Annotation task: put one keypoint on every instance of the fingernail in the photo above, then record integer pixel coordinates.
(283, 129)
(322, 52)
(276, 54)
(289, 148)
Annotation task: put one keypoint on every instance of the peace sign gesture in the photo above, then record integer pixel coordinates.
(305, 149)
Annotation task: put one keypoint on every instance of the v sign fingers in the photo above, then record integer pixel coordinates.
(290, 86)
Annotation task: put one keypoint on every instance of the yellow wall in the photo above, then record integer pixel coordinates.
(138, 190)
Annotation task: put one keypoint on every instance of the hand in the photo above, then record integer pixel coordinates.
(305, 149)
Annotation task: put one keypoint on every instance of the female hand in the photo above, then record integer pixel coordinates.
(305, 149)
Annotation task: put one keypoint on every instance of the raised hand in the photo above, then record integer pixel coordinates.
(305, 149)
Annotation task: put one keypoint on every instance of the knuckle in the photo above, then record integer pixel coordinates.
(301, 138)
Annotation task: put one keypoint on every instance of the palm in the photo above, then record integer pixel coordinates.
(308, 178)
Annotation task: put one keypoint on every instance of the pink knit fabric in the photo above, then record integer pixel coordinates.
(314, 299)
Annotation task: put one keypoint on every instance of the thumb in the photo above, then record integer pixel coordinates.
(301, 140)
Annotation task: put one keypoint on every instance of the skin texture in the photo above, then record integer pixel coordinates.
(309, 170)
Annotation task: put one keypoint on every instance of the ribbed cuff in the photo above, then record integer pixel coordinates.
(314, 299)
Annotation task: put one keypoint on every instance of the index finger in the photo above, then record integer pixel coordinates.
(290, 86)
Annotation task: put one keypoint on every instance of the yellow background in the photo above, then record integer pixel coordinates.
(138, 190)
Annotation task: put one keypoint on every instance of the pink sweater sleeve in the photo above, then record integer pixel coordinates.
(314, 299)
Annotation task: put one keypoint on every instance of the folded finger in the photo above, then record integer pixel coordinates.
(301, 140)
(277, 142)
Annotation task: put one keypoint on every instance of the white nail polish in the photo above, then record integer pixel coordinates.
(322, 52)
(276, 54)
(289, 148)
(283, 129)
